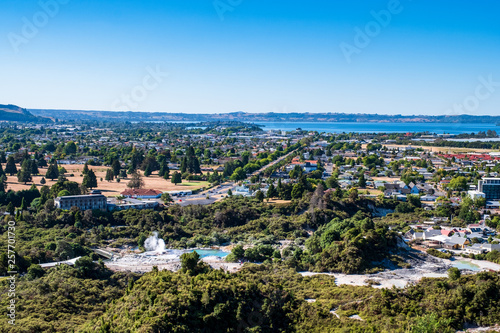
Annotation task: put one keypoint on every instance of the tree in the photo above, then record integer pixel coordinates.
(3, 183)
(136, 181)
(353, 194)
(24, 175)
(190, 162)
(176, 178)
(23, 205)
(164, 170)
(10, 208)
(238, 174)
(63, 193)
(10, 167)
(296, 172)
(89, 180)
(362, 181)
(33, 167)
(458, 184)
(35, 271)
(332, 182)
(259, 195)
(183, 167)
(280, 189)
(229, 193)
(297, 191)
(147, 171)
(62, 170)
(70, 148)
(64, 184)
(214, 178)
(191, 264)
(115, 166)
(86, 267)
(85, 169)
(1, 170)
(110, 175)
(166, 198)
(52, 171)
(271, 191)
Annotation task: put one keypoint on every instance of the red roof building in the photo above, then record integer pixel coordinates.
(141, 193)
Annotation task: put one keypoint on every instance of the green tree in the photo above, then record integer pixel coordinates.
(214, 178)
(297, 191)
(296, 172)
(35, 272)
(166, 198)
(52, 171)
(89, 180)
(176, 178)
(3, 183)
(70, 148)
(85, 169)
(63, 193)
(34, 167)
(238, 174)
(191, 264)
(136, 181)
(458, 184)
(259, 195)
(10, 208)
(10, 167)
(24, 175)
(147, 170)
(109, 175)
(362, 181)
(116, 167)
(271, 191)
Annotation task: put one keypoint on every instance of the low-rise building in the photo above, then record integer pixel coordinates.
(141, 193)
(85, 202)
(130, 203)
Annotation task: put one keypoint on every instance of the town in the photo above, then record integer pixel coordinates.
(370, 209)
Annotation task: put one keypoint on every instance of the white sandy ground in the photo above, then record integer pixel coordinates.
(422, 266)
(400, 278)
(142, 264)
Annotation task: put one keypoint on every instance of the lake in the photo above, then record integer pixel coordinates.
(438, 128)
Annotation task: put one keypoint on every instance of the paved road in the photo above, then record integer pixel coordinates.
(219, 192)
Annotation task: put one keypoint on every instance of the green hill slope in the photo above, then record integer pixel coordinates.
(16, 113)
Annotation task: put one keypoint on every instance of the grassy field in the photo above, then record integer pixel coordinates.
(196, 184)
(109, 189)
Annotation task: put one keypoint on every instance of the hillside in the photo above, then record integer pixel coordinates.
(121, 116)
(15, 113)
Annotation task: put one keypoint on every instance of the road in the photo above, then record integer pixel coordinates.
(219, 192)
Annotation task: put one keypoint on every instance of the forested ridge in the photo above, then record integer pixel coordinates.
(260, 298)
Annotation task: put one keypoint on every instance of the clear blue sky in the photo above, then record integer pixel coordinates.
(256, 56)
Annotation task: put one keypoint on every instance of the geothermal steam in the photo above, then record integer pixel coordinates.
(155, 244)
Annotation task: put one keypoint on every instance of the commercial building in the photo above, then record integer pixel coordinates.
(490, 187)
(95, 200)
(130, 203)
(142, 193)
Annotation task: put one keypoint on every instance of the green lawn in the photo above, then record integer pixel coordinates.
(194, 183)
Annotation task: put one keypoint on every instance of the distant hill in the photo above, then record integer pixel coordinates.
(15, 113)
(120, 116)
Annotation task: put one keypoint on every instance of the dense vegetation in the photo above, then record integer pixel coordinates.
(260, 298)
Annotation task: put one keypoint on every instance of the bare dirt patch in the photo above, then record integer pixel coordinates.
(109, 189)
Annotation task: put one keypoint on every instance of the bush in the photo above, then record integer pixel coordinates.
(439, 254)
